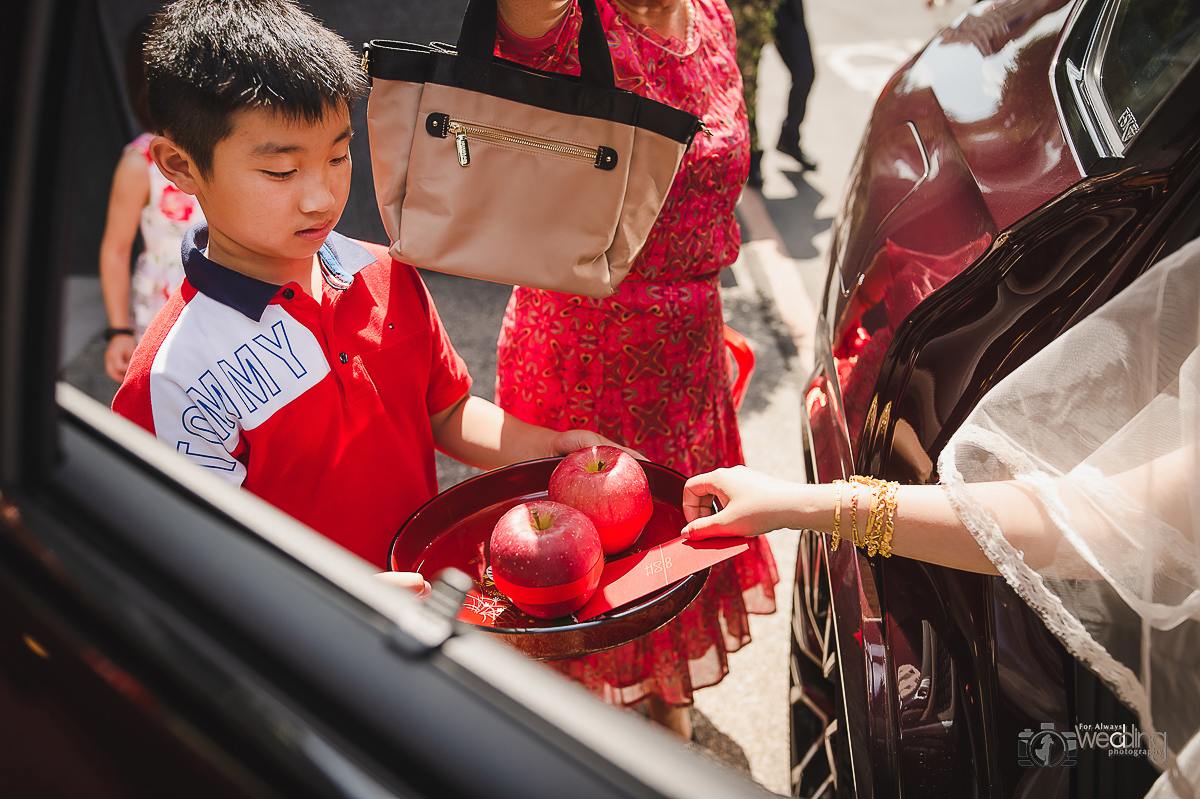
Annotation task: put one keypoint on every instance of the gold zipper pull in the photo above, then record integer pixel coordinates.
(464, 155)
(460, 141)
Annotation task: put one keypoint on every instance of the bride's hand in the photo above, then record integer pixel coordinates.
(752, 503)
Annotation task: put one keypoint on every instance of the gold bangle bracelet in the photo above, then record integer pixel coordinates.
(880, 523)
(885, 546)
(854, 514)
(835, 537)
(873, 532)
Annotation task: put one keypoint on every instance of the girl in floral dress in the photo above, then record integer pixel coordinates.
(140, 200)
(646, 367)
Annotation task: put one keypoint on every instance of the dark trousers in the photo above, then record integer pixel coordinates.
(791, 39)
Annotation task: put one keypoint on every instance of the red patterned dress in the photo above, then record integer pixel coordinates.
(646, 367)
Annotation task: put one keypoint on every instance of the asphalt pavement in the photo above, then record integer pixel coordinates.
(770, 295)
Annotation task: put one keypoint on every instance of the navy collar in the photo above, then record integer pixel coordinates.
(341, 259)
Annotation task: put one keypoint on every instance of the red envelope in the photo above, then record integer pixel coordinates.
(635, 576)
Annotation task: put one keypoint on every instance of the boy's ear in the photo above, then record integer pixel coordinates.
(175, 164)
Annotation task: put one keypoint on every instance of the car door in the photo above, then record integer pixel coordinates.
(165, 635)
(911, 677)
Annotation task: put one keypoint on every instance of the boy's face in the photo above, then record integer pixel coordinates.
(275, 191)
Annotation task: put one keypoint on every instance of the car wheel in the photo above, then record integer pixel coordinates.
(818, 768)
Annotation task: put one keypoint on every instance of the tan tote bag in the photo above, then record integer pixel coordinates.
(491, 170)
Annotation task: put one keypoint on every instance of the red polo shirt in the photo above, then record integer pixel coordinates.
(322, 409)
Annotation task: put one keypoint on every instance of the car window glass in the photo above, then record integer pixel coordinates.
(1150, 45)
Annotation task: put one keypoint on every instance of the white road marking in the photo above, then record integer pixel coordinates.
(867, 66)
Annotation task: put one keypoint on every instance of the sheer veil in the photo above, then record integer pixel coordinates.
(1103, 429)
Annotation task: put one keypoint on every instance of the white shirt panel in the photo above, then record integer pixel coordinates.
(228, 374)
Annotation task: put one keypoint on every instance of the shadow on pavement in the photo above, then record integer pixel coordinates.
(756, 314)
(711, 742)
(796, 218)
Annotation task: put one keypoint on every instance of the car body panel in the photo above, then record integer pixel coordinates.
(942, 168)
(937, 291)
(999, 109)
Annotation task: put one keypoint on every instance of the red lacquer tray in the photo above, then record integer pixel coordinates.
(453, 528)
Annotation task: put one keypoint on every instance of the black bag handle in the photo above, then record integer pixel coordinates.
(477, 39)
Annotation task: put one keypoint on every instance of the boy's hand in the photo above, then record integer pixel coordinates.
(568, 441)
(752, 503)
(411, 580)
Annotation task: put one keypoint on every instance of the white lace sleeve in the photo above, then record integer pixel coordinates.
(1103, 428)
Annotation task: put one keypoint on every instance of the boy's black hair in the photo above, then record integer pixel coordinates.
(208, 59)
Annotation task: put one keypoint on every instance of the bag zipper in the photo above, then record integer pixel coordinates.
(441, 126)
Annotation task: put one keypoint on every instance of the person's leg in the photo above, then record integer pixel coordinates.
(791, 38)
(753, 21)
(676, 719)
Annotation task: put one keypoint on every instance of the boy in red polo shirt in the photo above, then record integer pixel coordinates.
(311, 369)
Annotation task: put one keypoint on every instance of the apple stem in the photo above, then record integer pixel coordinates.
(538, 522)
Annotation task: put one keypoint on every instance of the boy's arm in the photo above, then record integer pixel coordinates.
(481, 434)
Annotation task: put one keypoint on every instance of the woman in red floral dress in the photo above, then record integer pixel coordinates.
(646, 367)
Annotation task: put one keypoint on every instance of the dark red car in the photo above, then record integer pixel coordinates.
(1024, 167)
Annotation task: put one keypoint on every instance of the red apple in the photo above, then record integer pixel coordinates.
(546, 557)
(609, 485)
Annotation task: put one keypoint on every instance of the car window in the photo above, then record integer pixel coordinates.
(1141, 50)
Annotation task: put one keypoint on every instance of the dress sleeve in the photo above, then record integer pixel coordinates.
(1102, 429)
(141, 145)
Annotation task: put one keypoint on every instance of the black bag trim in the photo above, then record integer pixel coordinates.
(606, 158)
(506, 80)
(437, 125)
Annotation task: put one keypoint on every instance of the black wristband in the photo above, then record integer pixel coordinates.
(111, 332)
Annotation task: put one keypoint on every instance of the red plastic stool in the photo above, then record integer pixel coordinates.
(741, 364)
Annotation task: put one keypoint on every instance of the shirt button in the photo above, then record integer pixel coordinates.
(343, 357)
(288, 294)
